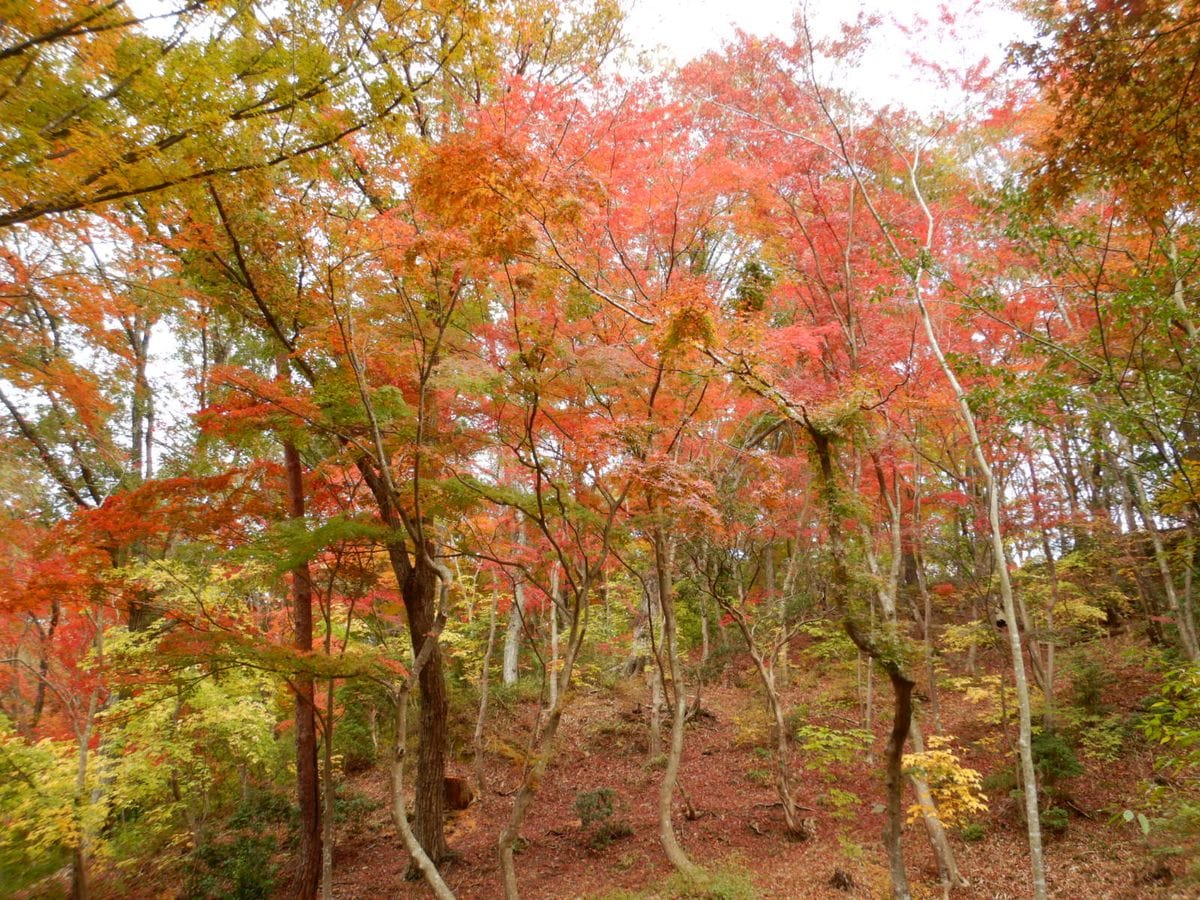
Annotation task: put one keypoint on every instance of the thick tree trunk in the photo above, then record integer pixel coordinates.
(420, 859)
(308, 787)
(434, 621)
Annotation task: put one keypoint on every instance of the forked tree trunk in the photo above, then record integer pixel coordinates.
(783, 780)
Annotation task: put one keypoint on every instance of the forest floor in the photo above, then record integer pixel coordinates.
(737, 829)
(738, 826)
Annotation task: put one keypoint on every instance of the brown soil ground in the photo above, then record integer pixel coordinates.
(738, 824)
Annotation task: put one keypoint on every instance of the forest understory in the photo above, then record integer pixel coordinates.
(449, 448)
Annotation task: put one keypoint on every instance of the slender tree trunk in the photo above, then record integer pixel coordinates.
(39, 697)
(1184, 620)
(942, 851)
(783, 782)
(1000, 556)
(481, 719)
(516, 622)
(553, 680)
(666, 793)
(308, 788)
(327, 842)
(80, 889)
(539, 753)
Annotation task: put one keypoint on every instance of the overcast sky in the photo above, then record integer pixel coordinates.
(682, 29)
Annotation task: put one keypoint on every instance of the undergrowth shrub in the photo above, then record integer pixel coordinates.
(972, 832)
(240, 867)
(823, 747)
(1089, 679)
(956, 789)
(597, 811)
(1054, 760)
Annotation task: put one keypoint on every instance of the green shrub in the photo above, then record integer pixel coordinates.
(594, 806)
(759, 776)
(972, 832)
(1054, 760)
(261, 806)
(596, 810)
(352, 741)
(1173, 718)
(352, 806)
(1054, 820)
(240, 868)
(1002, 781)
(842, 803)
(1088, 683)
(823, 747)
(1103, 739)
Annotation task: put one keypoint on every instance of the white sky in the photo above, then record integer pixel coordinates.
(683, 29)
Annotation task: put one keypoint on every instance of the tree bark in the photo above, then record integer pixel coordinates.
(666, 793)
(484, 676)
(893, 828)
(419, 592)
(942, 851)
(308, 788)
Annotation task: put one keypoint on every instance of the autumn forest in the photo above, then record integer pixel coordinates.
(446, 451)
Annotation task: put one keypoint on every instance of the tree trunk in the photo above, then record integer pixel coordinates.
(308, 788)
(942, 851)
(79, 854)
(418, 585)
(420, 859)
(481, 719)
(327, 835)
(666, 793)
(894, 779)
(539, 754)
(429, 812)
(1184, 620)
(516, 622)
(553, 680)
